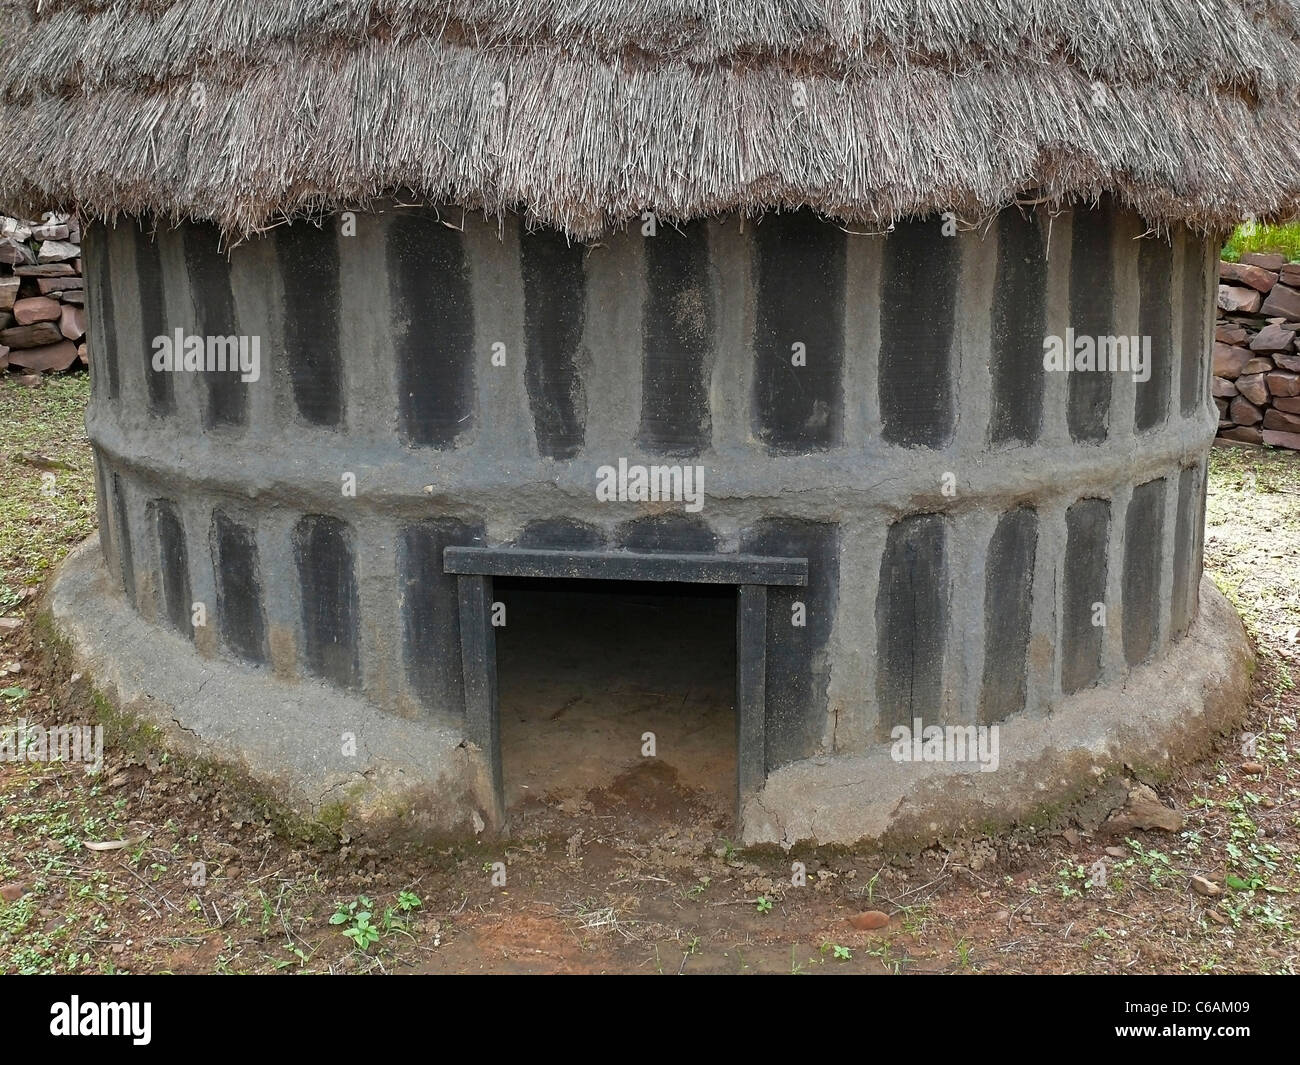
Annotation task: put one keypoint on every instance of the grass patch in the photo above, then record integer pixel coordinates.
(1254, 237)
(47, 510)
(1253, 491)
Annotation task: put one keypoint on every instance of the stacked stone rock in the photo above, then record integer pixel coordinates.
(42, 298)
(1256, 380)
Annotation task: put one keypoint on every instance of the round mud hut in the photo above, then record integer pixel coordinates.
(800, 408)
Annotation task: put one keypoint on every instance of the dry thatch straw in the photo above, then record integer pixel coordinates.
(583, 113)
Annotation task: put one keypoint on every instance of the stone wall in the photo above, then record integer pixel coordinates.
(42, 298)
(1256, 382)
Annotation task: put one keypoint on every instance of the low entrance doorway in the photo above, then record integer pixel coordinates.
(622, 688)
(477, 568)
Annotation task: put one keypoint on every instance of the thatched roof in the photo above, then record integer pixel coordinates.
(868, 110)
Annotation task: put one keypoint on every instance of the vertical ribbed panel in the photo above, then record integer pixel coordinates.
(100, 317)
(677, 338)
(1143, 540)
(235, 564)
(330, 610)
(1092, 314)
(799, 316)
(1087, 524)
(1185, 539)
(912, 620)
(214, 309)
(563, 533)
(797, 670)
(122, 539)
(1008, 607)
(154, 323)
(173, 559)
(1196, 309)
(101, 514)
(309, 271)
(667, 532)
(1018, 326)
(554, 313)
(430, 617)
(1156, 320)
(918, 300)
(434, 330)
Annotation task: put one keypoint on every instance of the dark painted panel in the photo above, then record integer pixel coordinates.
(554, 313)
(430, 616)
(751, 691)
(1092, 309)
(1018, 326)
(1087, 525)
(309, 269)
(101, 321)
(214, 308)
(122, 538)
(677, 334)
(918, 298)
(479, 668)
(434, 330)
(330, 607)
(797, 667)
(1194, 386)
(666, 532)
(1144, 525)
(101, 513)
(239, 588)
(1008, 608)
(800, 263)
(1188, 512)
(153, 319)
(175, 566)
(912, 621)
(1198, 553)
(562, 533)
(1155, 320)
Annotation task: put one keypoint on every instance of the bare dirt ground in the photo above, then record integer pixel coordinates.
(155, 867)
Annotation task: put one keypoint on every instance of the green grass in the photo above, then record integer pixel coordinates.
(43, 512)
(1251, 490)
(1252, 236)
(53, 822)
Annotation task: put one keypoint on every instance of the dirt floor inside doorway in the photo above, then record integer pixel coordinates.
(617, 701)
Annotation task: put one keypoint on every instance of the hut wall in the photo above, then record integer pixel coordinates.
(875, 403)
